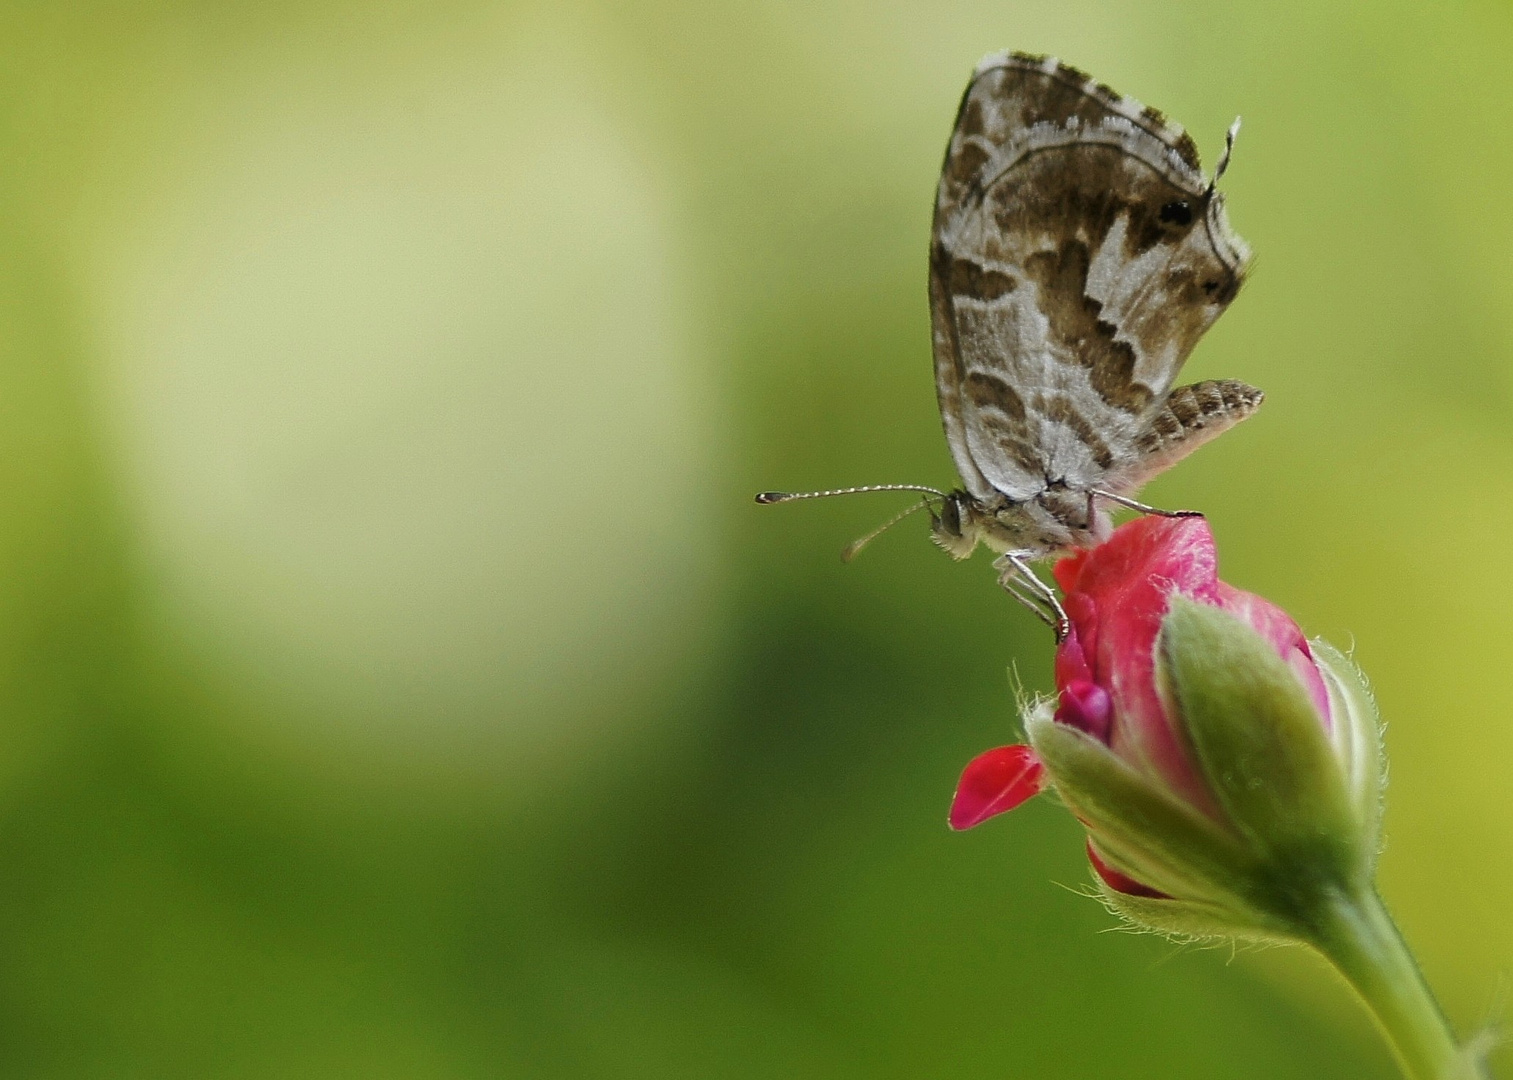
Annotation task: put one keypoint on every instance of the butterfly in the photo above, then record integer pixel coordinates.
(1077, 255)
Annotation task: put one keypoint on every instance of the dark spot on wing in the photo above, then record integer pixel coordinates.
(975, 282)
(965, 165)
(1011, 437)
(1085, 339)
(1177, 212)
(987, 390)
(971, 118)
(1224, 291)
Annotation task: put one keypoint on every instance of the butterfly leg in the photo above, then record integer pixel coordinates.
(1034, 603)
(1023, 584)
(1139, 507)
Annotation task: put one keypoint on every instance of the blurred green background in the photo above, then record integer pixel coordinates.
(396, 679)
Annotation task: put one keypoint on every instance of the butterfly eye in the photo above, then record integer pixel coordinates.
(1177, 213)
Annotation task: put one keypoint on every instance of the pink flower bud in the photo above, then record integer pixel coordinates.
(1117, 596)
(1228, 772)
(1206, 772)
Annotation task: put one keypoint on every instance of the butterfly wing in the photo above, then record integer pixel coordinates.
(1078, 254)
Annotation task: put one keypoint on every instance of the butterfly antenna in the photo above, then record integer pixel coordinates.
(1229, 149)
(767, 497)
(853, 548)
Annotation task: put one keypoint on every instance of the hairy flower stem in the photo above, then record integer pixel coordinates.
(1355, 932)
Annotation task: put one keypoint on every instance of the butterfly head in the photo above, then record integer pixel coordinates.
(958, 526)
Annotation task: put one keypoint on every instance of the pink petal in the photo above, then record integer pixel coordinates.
(994, 782)
(1120, 882)
(1067, 570)
(1075, 655)
(1179, 552)
(1129, 580)
(1071, 655)
(1087, 707)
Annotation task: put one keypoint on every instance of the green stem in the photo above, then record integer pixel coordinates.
(1358, 936)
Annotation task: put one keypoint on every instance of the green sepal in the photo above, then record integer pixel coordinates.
(1194, 920)
(1261, 745)
(1155, 837)
(1356, 732)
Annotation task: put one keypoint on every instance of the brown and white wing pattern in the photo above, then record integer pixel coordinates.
(1078, 255)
